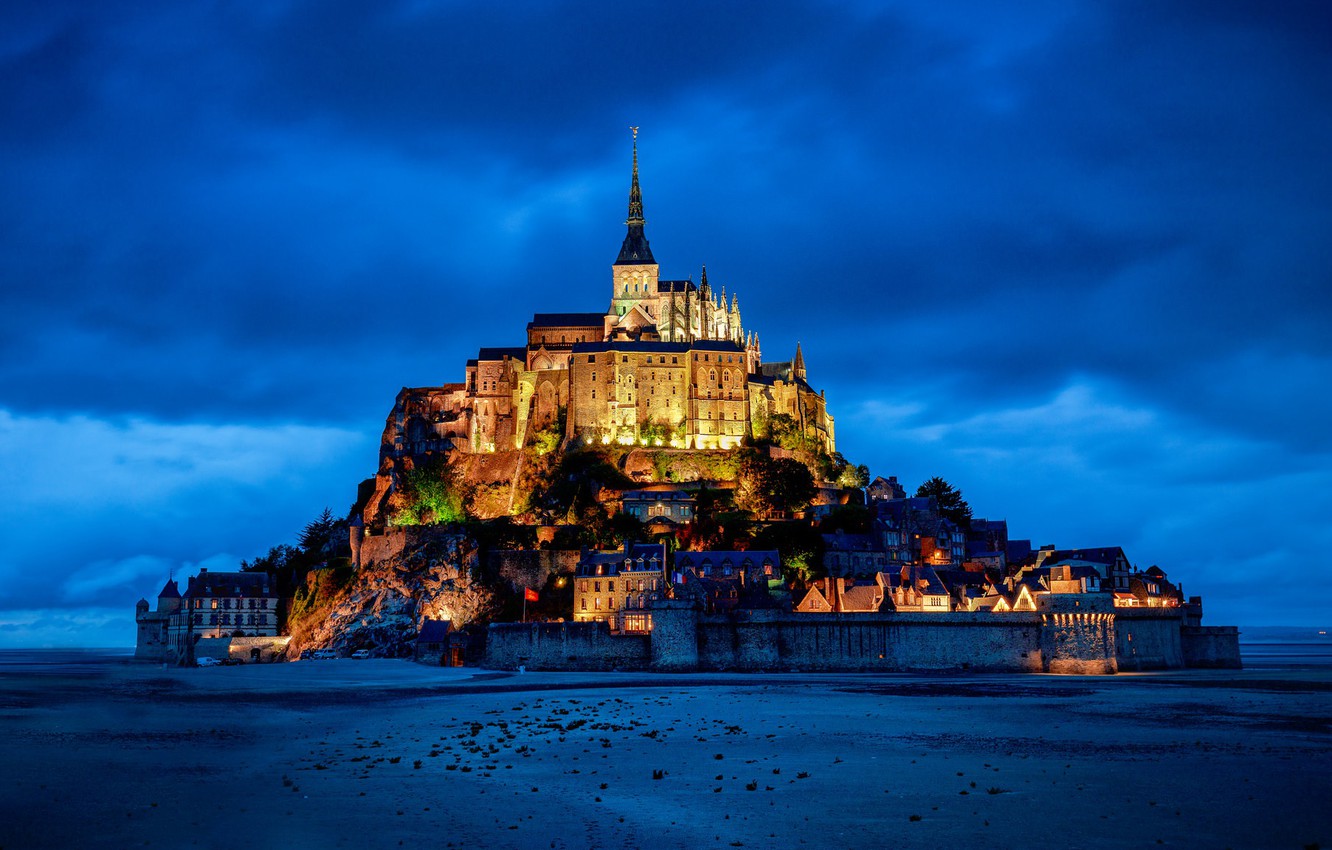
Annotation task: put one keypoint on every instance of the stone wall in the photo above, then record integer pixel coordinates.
(1211, 646)
(564, 646)
(761, 640)
(1148, 639)
(1078, 633)
(1082, 641)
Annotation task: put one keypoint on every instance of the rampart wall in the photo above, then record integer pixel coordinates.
(1210, 646)
(1148, 639)
(762, 640)
(564, 646)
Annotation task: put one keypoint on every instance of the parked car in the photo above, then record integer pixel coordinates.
(361, 653)
(207, 661)
(307, 654)
(325, 654)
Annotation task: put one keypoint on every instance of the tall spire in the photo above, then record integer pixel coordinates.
(798, 364)
(635, 250)
(635, 194)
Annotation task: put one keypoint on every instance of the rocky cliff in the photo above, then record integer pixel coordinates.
(406, 575)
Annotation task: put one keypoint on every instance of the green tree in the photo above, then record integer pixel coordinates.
(854, 477)
(950, 501)
(318, 535)
(430, 493)
(765, 484)
(801, 548)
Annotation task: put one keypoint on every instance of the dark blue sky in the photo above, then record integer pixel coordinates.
(1073, 258)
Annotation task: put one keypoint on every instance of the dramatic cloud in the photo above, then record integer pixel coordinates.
(1072, 257)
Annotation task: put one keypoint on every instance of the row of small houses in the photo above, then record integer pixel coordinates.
(926, 589)
(618, 587)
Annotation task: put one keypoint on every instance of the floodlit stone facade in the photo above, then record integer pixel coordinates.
(669, 363)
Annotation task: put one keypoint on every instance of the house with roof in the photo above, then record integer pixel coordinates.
(723, 580)
(618, 586)
(1110, 563)
(914, 587)
(755, 566)
(883, 489)
(214, 605)
(1151, 589)
(662, 508)
(838, 595)
(853, 554)
(432, 645)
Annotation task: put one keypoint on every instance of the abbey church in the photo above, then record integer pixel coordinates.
(667, 364)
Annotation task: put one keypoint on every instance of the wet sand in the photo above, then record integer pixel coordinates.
(369, 754)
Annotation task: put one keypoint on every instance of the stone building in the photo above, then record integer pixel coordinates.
(214, 605)
(669, 363)
(618, 587)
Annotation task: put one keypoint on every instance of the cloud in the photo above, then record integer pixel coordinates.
(123, 503)
(41, 628)
(1072, 258)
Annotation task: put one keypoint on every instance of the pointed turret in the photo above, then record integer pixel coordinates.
(798, 364)
(635, 250)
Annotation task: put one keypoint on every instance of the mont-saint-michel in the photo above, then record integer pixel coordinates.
(640, 489)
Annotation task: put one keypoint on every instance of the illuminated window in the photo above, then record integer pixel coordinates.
(597, 603)
(214, 604)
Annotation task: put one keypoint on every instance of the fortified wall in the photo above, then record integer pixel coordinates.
(1060, 638)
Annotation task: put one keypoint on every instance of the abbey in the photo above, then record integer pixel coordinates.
(667, 364)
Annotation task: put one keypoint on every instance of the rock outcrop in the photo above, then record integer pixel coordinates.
(406, 575)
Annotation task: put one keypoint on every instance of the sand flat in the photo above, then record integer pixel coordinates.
(373, 753)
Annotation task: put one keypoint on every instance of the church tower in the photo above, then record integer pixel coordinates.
(634, 275)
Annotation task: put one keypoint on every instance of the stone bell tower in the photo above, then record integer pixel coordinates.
(634, 275)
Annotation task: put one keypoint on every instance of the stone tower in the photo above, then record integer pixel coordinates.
(634, 274)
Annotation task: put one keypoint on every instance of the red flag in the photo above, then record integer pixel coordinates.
(529, 594)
